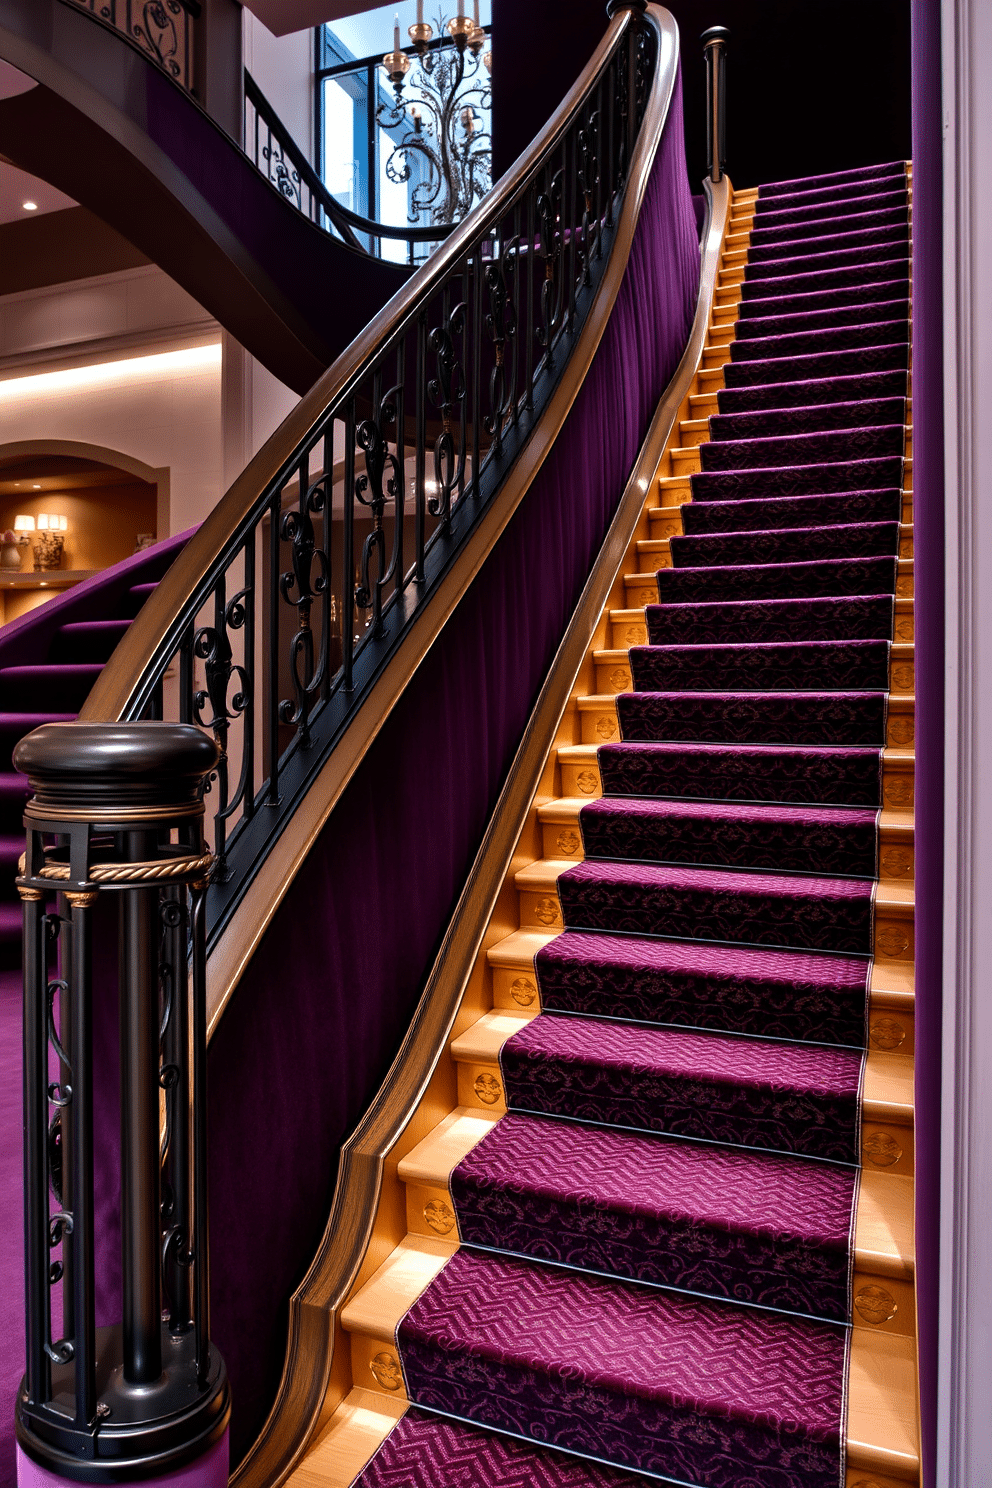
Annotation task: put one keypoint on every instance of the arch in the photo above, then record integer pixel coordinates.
(153, 475)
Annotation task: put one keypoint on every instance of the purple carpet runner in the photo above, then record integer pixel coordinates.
(656, 1242)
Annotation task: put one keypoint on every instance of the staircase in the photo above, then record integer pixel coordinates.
(663, 1228)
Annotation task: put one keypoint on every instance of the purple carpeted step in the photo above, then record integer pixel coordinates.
(788, 230)
(810, 418)
(882, 358)
(782, 320)
(771, 994)
(14, 791)
(797, 912)
(11, 925)
(748, 1226)
(768, 452)
(838, 206)
(776, 666)
(839, 777)
(733, 834)
(847, 300)
(784, 261)
(36, 689)
(786, 545)
(86, 641)
(851, 719)
(832, 578)
(776, 512)
(817, 392)
(427, 1451)
(135, 598)
(14, 726)
(843, 276)
(859, 175)
(605, 1368)
(825, 479)
(774, 347)
(707, 1086)
(770, 620)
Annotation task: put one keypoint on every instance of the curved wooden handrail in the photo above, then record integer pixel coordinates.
(149, 644)
(310, 1387)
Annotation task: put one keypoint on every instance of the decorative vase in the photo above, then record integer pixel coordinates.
(48, 550)
(10, 556)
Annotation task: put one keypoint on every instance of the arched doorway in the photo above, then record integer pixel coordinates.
(103, 505)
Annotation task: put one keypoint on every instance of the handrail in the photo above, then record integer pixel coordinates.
(309, 1391)
(277, 657)
(270, 156)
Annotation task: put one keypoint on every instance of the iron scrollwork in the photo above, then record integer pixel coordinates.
(307, 666)
(447, 392)
(552, 286)
(501, 323)
(212, 646)
(374, 489)
(588, 147)
(161, 29)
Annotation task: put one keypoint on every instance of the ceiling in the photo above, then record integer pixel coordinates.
(23, 474)
(17, 187)
(282, 16)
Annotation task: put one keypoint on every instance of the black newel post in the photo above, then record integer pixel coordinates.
(715, 44)
(117, 810)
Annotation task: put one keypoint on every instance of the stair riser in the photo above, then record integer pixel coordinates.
(583, 779)
(654, 554)
(613, 678)
(896, 858)
(600, 726)
(628, 628)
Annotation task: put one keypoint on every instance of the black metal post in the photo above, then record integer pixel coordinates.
(715, 44)
(140, 1194)
(118, 810)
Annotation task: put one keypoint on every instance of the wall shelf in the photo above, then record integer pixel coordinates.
(51, 578)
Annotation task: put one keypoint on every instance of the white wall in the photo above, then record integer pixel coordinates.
(184, 418)
(283, 68)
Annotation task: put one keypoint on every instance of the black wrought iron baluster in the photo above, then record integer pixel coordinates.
(447, 392)
(549, 205)
(301, 586)
(80, 1323)
(570, 224)
(501, 325)
(588, 150)
(465, 290)
(348, 554)
(246, 790)
(272, 656)
(201, 1224)
(186, 683)
(598, 116)
(35, 1056)
(611, 155)
(382, 482)
(212, 646)
(174, 1079)
(329, 602)
(420, 451)
(532, 194)
(397, 571)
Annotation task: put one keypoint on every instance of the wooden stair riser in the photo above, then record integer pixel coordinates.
(613, 671)
(599, 723)
(654, 553)
(580, 776)
(629, 627)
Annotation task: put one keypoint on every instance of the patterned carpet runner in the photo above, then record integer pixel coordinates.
(654, 1273)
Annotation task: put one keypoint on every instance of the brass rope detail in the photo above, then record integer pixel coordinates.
(84, 899)
(30, 895)
(154, 872)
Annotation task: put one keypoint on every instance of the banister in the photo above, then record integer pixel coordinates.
(455, 438)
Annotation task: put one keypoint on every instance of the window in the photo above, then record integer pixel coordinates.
(379, 146)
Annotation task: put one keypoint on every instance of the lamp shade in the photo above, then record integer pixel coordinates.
(23, 524)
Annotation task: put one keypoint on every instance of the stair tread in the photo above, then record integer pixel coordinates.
(377, 1307)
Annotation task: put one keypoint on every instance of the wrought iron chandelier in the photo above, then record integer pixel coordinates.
(445, 139)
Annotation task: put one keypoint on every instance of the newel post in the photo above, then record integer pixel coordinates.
(715, 47)
(117, 810)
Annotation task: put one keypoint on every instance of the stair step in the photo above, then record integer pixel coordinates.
(630, 627)
(793, 837)
(665, 767)
(630, 898)
(716, 664)
(883, 1251)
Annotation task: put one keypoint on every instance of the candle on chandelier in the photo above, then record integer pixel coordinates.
(420, 12)
(475, 12)
(396, 33)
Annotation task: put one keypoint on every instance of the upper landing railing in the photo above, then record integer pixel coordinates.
(283, 613)
(165, 31)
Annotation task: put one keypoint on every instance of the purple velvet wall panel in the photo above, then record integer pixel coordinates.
(323, 1007)
(928, 516)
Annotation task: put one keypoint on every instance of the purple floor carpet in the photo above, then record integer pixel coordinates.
(656, 1239)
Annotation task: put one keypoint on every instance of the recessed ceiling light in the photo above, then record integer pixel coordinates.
(30, 206)
(36, 487)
